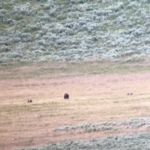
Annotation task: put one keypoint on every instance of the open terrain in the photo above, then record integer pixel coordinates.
(107, 109)
(97, 51)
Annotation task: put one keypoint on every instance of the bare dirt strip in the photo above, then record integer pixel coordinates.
(93, 99)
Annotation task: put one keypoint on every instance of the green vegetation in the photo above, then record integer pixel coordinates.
(3, 27)
(74, 31)
(7, 6)
(52, 69)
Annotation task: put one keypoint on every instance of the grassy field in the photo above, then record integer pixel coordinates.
(53, 69)
(106, 100)
(62, 30)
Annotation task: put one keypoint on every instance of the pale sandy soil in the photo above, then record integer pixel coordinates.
(93, 99)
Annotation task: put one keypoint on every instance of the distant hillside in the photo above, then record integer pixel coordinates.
(74, 30)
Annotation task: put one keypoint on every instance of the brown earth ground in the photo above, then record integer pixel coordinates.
(98, 93)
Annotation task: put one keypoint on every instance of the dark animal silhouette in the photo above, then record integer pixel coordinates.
(66, 96)
(29, 100)
(129, 94)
